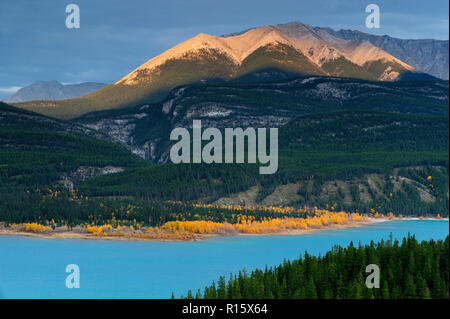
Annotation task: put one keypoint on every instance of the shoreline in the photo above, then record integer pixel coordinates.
(198, 237)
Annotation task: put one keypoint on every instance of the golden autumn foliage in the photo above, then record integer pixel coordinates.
(378, 215)
(189, 223)
(129, 232)
(276, 209)
(247, 224)
(35, 228)
(242, 221)
(99, 230)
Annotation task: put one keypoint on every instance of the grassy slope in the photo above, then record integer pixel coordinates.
(378, 67)
(280, 57)
(344, 67)
(153, 86)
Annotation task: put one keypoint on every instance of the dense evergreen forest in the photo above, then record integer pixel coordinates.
(408, 269)
(36, 150)
(74, 209)
(341, 129)
(316, 149)
(380, 147)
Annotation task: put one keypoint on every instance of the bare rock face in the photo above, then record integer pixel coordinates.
(84, 173)
(426, 55)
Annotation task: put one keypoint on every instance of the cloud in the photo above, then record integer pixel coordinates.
(9, 90)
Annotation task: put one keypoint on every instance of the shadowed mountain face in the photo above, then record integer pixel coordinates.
(52, 90)
(145, 129)
(259, 54)
(428, 55)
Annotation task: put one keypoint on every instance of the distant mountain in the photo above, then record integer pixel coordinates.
(52, 90)
(292, 47)
(427, 55)
(263, 53)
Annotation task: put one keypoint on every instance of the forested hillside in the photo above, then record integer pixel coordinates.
(350, 160)
(344, 144)
(146, 128)
(38, 152)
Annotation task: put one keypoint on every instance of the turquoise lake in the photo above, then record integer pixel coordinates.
(35, 267)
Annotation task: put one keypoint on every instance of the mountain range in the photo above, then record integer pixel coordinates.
(259, 54)
(52, 90)
(426, 55)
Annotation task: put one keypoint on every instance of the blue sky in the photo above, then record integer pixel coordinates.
(116, 36)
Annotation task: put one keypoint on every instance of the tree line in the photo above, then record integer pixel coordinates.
(408, 269)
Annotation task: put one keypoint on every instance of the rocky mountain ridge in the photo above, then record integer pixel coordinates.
(52, 90)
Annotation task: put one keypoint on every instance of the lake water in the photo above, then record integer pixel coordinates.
(35, 267)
